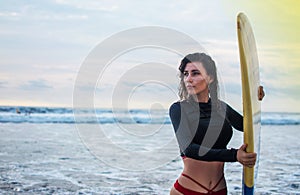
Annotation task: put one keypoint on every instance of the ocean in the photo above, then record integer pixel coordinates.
(52, 151)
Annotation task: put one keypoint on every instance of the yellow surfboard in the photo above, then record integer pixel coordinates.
(251, 104)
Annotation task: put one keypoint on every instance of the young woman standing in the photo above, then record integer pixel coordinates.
(203, 127)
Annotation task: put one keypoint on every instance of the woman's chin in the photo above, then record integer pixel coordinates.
(191, 92)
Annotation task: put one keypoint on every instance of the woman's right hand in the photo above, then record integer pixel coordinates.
(245, 158)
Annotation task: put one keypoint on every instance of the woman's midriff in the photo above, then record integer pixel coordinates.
(205, 173)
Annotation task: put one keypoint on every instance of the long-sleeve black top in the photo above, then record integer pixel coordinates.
(203, 131)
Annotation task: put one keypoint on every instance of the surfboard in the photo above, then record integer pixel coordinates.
(251, 104)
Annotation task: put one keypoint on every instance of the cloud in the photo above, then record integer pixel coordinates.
(3, 84)
(41, 11)
(107, 6)
(9, 14)
(39, 84)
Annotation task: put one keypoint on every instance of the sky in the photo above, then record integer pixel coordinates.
(45, 44)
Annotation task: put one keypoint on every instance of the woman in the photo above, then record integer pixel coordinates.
(203, 126)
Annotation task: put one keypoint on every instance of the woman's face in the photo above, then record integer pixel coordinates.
(196, 80)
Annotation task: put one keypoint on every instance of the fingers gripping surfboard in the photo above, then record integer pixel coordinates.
(250, 89)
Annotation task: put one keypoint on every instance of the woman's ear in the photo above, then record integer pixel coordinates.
(210, 79)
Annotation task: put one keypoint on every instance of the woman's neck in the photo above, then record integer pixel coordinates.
(199, 99)
(202, 98)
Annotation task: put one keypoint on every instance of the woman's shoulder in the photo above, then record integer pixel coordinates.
(175, 111)
(224, 104)
(227, 107)
(185, 106)
(175, 105)
(180, 103)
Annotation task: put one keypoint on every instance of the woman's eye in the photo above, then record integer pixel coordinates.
(195, 73)
(185, 74)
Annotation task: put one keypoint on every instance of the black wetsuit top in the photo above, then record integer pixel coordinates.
(202, 132)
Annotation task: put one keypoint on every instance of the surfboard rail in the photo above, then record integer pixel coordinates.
(251, 105)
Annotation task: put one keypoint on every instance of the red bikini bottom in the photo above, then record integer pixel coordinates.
(186, 191)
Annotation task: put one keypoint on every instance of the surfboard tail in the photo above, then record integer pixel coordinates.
(248, 190)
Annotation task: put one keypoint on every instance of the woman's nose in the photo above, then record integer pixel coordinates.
(188, 78)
